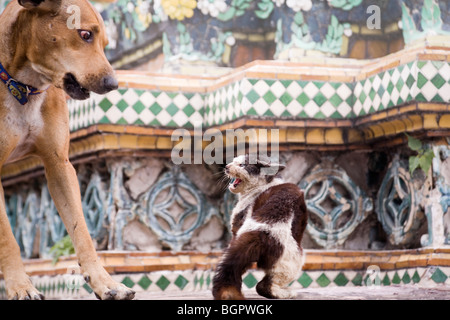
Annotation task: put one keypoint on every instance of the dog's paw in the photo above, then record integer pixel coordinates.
(116, 292)
(22, 290)
(104, 287)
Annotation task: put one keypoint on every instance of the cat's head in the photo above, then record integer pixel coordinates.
(247, 171)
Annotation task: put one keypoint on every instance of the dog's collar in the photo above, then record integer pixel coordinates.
(19, 90)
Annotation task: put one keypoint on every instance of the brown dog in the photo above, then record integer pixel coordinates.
(42, 59)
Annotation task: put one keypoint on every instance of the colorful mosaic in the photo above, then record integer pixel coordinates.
(169, 26)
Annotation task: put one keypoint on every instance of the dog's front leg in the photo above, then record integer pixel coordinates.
(64, 189)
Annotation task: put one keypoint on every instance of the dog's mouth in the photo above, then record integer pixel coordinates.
(74, 89)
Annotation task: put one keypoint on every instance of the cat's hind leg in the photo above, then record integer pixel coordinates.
(238, 257)
(276, 282)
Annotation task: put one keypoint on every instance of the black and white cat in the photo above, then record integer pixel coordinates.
(267, 225)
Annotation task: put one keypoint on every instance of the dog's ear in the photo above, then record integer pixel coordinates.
(45, 5)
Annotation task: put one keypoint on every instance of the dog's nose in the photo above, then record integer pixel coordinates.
(109, 83)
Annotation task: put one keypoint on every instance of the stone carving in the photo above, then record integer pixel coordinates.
(398, 204)
(335, 204)
(52, 228)
(438, 201)
(174, 209)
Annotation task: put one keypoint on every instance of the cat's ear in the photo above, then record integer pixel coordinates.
(263, 163)
(272, 169)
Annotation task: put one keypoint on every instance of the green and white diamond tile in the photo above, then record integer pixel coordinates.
(279, 98)
(223, 105)
(138, 107)
(422, 81)
(167, 281)
(64, 286)
(290, 98)
(433, 81)
(82, 113)
(386, 89)
(202, 280)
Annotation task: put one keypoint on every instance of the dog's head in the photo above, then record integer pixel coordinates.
(248, 171)
(67, 46)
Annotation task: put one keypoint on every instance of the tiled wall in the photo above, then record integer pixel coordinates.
(269, 97)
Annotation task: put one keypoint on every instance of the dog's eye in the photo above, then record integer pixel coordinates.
(85, 35)
(242, 165)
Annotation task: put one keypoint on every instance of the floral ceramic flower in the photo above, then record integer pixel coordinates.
(159, 11)
(279, 3)
(297, 5)
(179, 9)
(212, 7)
(143, 13)
(112, 34)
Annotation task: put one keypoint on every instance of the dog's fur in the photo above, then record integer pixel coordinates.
(38, 48)
(267, 226)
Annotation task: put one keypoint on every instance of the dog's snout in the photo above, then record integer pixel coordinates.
(109, 83)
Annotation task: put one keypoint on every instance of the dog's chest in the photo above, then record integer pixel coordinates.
(24, 123)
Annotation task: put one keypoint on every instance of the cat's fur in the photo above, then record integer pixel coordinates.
(267, 225)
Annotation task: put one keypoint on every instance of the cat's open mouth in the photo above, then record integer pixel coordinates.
(235, 182)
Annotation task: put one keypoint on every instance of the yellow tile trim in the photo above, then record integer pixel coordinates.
(334, 136)
(355, 136)
(430, 121)
(296, 135)
(416, 123)
(444, 121)
(315, 136)
(377, 131)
